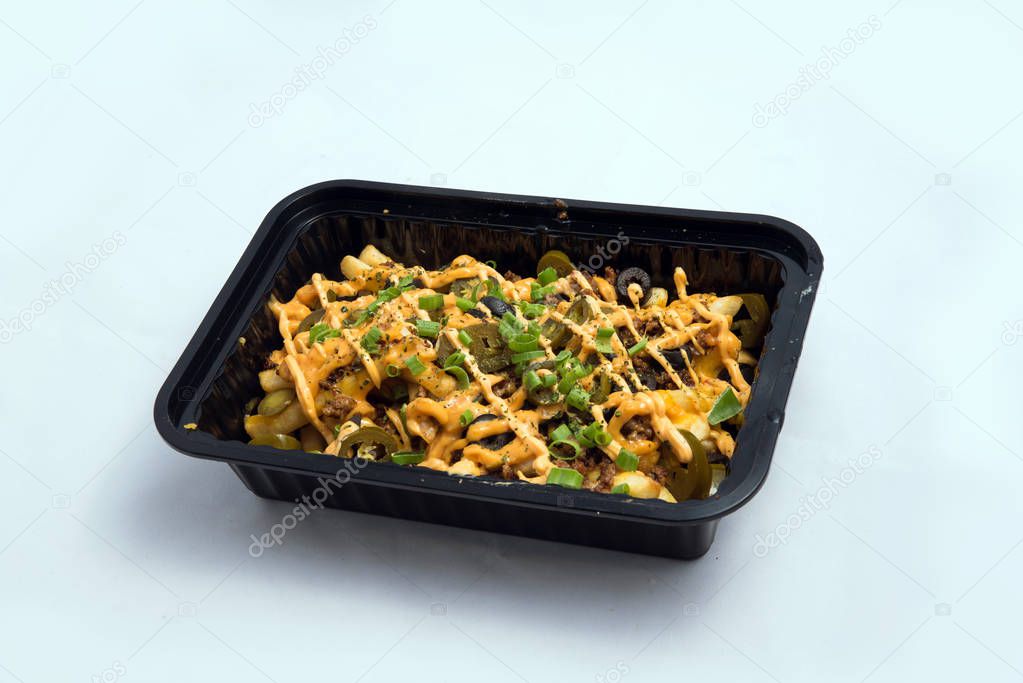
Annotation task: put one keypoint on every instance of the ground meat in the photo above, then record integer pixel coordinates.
(651, 328)
(658, 474)
(652, 374)
(509, 275)
(610, 274)
(706, 339)
(554, 299)
(338, 405)
(381, 420)
(638, 428)
(605, 478)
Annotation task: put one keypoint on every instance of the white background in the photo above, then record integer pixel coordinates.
(132, 122)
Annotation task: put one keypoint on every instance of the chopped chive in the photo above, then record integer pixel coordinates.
(576, 448)
(627, 461)
(531, 380)
(494, 290)
(431, 302)
(414, 365)
(537, 293)
(459, 374)
(527, 356)
(532, 310)
(427, 328)
(464, 304)
(454, 359)
(603, 342)
(523, 342)
(464, 337)
(602, 438)
(510, 326)
(561, 433)
(622, 488)
(371, 340)
(321, 332)
(637, 347)
(392, 370)
(563, 356)
(547, 276)
(726, 406)
(549, 380)
(465, 418)
(408, 457)
(578, 399)
(492, 264)
(562, 476)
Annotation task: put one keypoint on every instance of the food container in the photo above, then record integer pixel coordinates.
(311, 231)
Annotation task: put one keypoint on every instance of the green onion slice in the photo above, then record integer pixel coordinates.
(527, 356)
(464, 337)
(547, 276)
(459, 374)
(427, 328)
(577, 449)
(465, 418)
(627, 461)
(321, 332)
(455, 359)
(561, 433)
(523, 342)
(414, 365)
(371, 340)
(622, 488)
(392, 370)
(578, 399)
(562, 476)
(464, 304)
(431, 302)
(531, 380)
(637, 347)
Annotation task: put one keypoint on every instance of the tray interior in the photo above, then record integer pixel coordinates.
(323, 240)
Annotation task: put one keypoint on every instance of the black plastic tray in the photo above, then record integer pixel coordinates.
(311, 231)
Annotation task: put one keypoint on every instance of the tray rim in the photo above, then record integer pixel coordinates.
(760, 434)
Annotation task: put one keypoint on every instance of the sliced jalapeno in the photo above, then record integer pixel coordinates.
(692, 481)
(369, 442)
(282, 442)
(487, 347)
(276, 401)
(558, 260)
(311, 319)
(558, 333)
(751, 330)
(601, 388)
